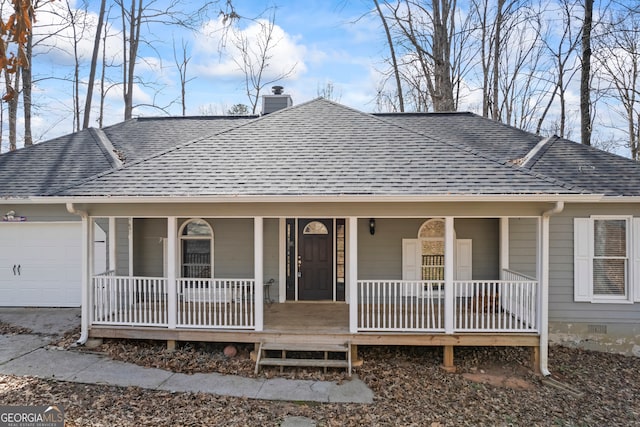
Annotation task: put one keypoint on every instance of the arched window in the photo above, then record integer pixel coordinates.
(431, 237)
(196, 249)
(315, 227)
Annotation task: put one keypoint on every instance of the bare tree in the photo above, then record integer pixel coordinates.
(618, 57)
(585, 75)
(149, 13)
(93, 66)
(255, 60)
(181, 64)
(562, 53)
(394, 62)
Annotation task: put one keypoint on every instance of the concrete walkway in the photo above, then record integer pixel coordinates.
(31, 355)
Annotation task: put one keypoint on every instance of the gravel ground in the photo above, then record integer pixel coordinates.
(492, 386)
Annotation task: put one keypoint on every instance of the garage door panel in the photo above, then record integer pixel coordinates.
(49, 257)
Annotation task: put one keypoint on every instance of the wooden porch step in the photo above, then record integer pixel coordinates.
(286, 349)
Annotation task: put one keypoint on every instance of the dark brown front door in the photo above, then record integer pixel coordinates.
(315, 259)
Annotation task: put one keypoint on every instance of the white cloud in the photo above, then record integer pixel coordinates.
(217, 54)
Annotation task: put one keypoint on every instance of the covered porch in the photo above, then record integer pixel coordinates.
(368, 304)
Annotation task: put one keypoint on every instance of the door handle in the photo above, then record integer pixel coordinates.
(19, 270)
(14, 269)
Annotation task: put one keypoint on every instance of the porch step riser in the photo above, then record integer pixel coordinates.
(286, 349)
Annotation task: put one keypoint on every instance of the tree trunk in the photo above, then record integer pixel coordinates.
(92, 71)
(442, 11)
(585, 75)
(26, 92)
(394, 61)
(495, 114)
(12, 104)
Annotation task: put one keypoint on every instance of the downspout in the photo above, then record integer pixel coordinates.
(84, 322)
(544, 281)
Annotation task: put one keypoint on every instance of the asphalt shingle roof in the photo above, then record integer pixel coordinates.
(48, 167)
(494, 139)
(141, 137)
(594, 170)
(318, 148)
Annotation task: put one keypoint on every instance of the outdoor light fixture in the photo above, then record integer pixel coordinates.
(372, 226)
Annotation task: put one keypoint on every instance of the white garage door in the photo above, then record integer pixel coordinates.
(40, 264)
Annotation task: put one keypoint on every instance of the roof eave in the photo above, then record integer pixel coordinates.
(569, 198)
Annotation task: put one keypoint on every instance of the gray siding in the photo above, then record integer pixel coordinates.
(35, 213)
(523, 237)
(485, 234)
(271, 254)
(562, 308)
(233, 247)
(380, 255)
(122, 246)
(147, 246)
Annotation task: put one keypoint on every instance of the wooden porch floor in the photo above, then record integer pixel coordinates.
(318, 322)
(311, 318)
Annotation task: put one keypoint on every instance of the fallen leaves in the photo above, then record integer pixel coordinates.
(410, 390)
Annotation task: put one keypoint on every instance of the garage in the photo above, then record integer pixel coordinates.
(40, 264)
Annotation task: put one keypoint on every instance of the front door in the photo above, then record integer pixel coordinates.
(315, 259)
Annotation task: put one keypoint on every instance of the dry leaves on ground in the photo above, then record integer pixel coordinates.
(410, 390)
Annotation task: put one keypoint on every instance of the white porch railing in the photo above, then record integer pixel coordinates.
(216, 303)
(201, 303)
(495, 305)
(127, 300)
(508, 305)
(400, 305)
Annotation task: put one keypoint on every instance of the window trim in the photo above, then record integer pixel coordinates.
(583, 280)
(181, 237)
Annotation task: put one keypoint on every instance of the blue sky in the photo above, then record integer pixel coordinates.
(332, 41)
(337, 42)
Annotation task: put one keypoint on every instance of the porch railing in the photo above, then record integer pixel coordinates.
(508, 305)
(495, 305)
(143, 301)
(128, 300)
(216, 303)
(398, 305)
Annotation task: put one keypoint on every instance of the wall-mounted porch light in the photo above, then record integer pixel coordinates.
(372, 226)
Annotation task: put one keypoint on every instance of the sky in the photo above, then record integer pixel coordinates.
(321, 42)
(336, 42)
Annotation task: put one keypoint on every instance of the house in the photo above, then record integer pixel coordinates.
(319, 223)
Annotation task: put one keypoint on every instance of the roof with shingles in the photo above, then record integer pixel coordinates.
(494, 139)
(54, 165)
(141, 137)
(594, 170)
(318, 148)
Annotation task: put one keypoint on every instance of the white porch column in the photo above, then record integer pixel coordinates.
(504, 244)
(87, 280)
(258, 260)
(449, 248)
(112, 244)
(130, 237)
(352, 272)
(543, 286)
(172, 290)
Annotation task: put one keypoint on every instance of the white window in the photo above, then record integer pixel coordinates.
(604, 259)
(196, 249)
